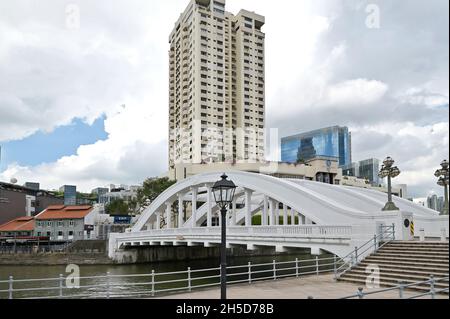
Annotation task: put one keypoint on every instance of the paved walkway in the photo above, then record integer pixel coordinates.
(318, 287)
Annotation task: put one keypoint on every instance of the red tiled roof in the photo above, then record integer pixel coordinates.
(18, 224)
(65, 212)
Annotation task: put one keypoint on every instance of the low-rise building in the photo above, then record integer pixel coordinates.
(19, 227)
(65, 223)
(20, 201)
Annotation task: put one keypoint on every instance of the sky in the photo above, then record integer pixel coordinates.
(84, 84)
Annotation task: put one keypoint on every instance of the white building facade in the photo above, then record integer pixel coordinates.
(217, 89)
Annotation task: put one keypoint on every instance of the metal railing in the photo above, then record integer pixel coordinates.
(386, 235)
(152, 284)
(432, 292)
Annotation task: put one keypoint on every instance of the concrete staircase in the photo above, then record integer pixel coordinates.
(407, 262)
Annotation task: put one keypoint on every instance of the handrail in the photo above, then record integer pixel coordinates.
(402, 286)
(352, 258)
(157, 282)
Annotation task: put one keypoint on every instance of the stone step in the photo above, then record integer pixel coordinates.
(413, 252)
(403, 270)
(403, 261)
(412, 267)
(391, 280)
(435, 259)
(400, 275)
(418, 245)
(414, 249)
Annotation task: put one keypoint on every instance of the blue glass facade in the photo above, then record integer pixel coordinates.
(331, 142)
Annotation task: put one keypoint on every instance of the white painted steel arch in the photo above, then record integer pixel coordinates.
(322, 203)
(329, 217)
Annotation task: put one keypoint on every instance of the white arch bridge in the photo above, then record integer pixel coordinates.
(290, 214)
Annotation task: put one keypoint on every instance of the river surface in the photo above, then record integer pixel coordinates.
(141, 285)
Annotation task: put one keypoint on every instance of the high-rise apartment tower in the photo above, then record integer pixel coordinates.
(217, 90)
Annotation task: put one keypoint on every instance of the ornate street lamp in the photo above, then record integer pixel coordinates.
(443, 180)
(223, 195)
(390, 171)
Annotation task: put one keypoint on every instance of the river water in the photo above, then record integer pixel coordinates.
(126, 286)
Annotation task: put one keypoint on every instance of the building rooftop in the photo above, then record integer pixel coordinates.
(18, 224)
(64, 212)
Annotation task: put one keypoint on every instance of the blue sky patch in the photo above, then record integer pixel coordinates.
(48, 147)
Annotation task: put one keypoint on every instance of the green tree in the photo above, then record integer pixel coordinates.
(117, 207)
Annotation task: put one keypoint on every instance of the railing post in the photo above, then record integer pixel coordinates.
(360, 293)
(249, 272)
(401, 290)
(61, 281)
(10, 288)
(375, 243)
(393, 231)
(108, 285)
(335, 266)
(432, 287)
(189, 279)
(356, 255)
(296, 267)
(274, 270)
(317, 265)
(153, 283)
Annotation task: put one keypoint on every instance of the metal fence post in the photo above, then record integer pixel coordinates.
(10, 288)
(375, 243)
(356, 255)
(153, 283)
(274, 270)
(432, 287)
(334, 266)
(108, 285)
(61, 281)
(296, 267)
(249, 272)
(401, 290)
(360, 293)
(393, 231)
(317, 265)
(189, 279)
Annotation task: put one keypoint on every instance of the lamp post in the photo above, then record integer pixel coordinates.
(390, 171)
(223, 195)
(443, 180)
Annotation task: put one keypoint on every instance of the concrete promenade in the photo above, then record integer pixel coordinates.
(318, 287)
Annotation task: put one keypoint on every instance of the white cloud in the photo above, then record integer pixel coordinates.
(323, 67)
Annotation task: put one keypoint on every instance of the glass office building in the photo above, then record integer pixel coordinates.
(329, 142)
(70, 194)
(367, 169)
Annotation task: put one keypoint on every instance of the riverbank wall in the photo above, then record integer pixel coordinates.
(95, 253)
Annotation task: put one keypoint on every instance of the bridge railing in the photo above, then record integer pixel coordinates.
(386, 235)
(154, 284)
(285, 231)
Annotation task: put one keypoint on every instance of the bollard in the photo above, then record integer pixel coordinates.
(443, 235)
(422, 234)
(360, 293)
(432, 287)
(61, 280)
(249, 272)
